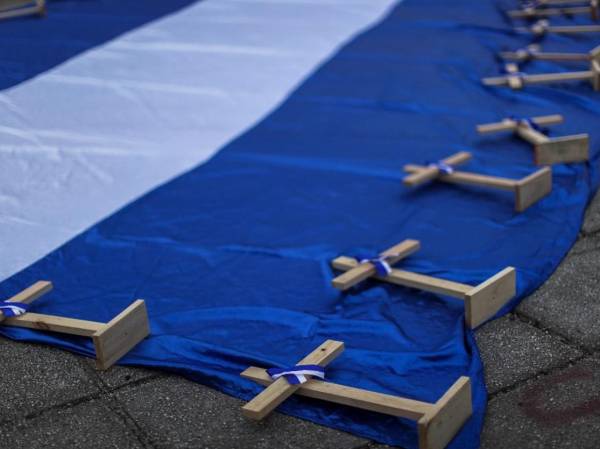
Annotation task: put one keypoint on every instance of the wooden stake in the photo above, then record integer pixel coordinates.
(365, 270)
(592, 75)
(18, 8)
(542, 27)
(111, 340)
(527, 191)
(547, 150)
(529, 13)
(534, 52)
(481, 301)
(280, 390)
(438, 423)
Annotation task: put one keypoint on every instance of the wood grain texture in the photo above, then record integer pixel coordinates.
(532, 188)
(482, 302)
(563, 150)
(121, 334)
(438, 427)
(280, 390)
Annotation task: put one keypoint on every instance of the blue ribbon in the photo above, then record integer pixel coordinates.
(296, 375)
(382, 267)
(527, 122)
(12, 309)
(444, 168)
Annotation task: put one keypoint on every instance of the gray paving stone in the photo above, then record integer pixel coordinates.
(513, 351)
(557, 411)
(36, 377)
(119, 376)
(89, 425)
(179, 414)
(591, 223)
(569, 302)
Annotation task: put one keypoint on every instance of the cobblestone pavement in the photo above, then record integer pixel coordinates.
(542, 370)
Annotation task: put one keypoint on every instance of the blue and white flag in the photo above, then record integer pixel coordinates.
(212, 158)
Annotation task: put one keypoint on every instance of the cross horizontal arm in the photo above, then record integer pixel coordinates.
(30, 294)
(280, 390)
(541, 78)
(430, 173)
(524, 13)
(354, 397)
(510, 125)
(365, 270)
(412, 280)
(459, 177)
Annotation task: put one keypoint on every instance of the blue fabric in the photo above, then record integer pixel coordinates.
(233, 257)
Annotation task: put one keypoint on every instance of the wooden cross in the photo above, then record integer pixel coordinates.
(532, 12)
(542, 27)
(481, 301)
(547, 150)
(437, 423)
(534, 52)
(528, 190)
(18, 8)
(592, 75)
(112, 340)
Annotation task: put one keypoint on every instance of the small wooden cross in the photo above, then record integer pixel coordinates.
(112, 340)
(437, 423)
(534, 52)
(481, 301)
(547, 150)
(592, 75)
(528, 190)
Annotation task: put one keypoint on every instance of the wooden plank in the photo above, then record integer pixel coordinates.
(30, 294)
(557, 56)
(11, 12)
(482, 302)
(531, 189)
(511, 125)
(365, 270)
(459, 177)
(353, 397)
(596, 77)
(558, 77)
(411, 280)
(542, 78)
(531, 135)
(595, 54)
(121, 334)
(438, 427)
(280, 390)
(55, 324)
(574, 29)
(563, 150)
(548, 12)
(430, 173)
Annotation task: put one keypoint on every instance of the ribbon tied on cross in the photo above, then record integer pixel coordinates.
(13, 309)
(296, 375)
